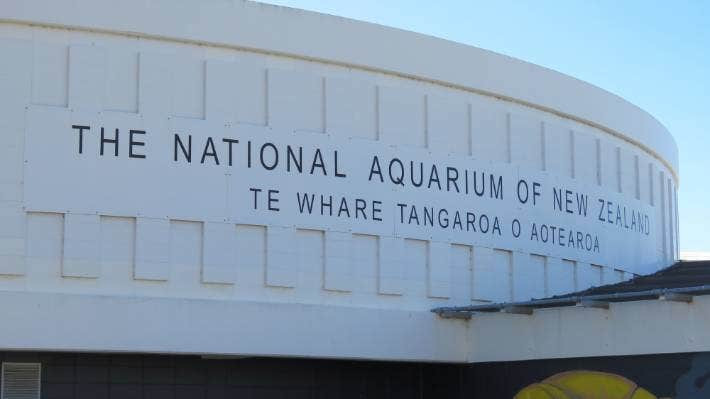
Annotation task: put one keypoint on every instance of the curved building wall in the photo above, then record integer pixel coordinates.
(197, 220)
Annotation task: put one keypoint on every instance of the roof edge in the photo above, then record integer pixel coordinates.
(324, 38)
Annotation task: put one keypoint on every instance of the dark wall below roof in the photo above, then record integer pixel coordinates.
(76, 375)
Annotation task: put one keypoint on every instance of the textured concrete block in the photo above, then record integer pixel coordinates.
(448, 125)
(588, 276)
(492, 280)
(351, 109)
(152, 249)
(15, 78)
(221, 91)
(219, 253)
(526, 142)
(295, 100)
(81, 246)
(390, 276)
(122, 69)
(50, 74)
(12, 239)
(560, 276)
(528, 276)
(559, 149)
(87, 77)
(155, 92)
(489, 131)
(439, 270)
(281, 264)
(337, 273)
(402, 116)
(187, 87)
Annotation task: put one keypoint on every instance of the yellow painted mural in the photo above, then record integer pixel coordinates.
(583, 384)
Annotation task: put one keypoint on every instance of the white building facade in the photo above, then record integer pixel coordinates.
(227, 178)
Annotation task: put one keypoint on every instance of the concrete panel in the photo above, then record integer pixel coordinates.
(338, 273)
(219, 254)
(629, 173)
(559, 149)
(12, 239)
(87, 77)
(439, 273)
(528, 276)
(448, 125)
(364, 251)
(390, 270)
(50, 74)
(492, 275)
(415, 257)
(251, 80)
(295, 100)
(152, 249)
(526, 142)
(462, 271)
(560, 276)
(588, 276)
(401, 115)
(155, 79)
(281, 264)
(122, 69)
(490, 139)
(186, 254)
(221, 91)
(16, 76)
(609, 165)
(81, 246)
(351, 108)
(187, 86)
(118, 240)
(586, 167)
(251, 255)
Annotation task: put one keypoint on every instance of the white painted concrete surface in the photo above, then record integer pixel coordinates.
(104, 234)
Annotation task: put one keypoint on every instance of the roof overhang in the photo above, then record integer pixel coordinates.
(624, 328)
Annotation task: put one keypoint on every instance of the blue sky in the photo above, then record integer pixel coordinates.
(654, 54)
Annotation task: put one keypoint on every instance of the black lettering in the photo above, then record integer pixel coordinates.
(273, 200)
(304, 201)
(256, 192)
(81, 129)
(276, 156)
(186, 152)
(434, 177)
(343, 207)
(337, 172)
(297, 161)
(360, 205)
(452, 175)
(375, 169)
(209, 151)
(318, 162)
(328, 204)
(421, 174)
(229, 148)
(497, 187)
(470, 221)
(443, 221)
(113, 141)
(376, 210)
(397, 178)
(132, 142)
(401, 212)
